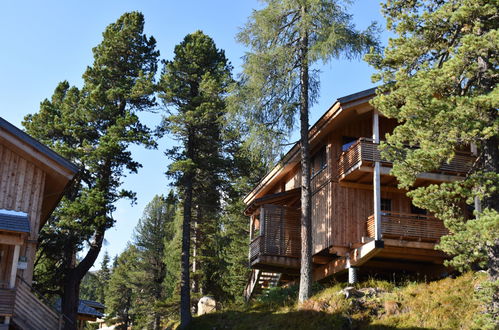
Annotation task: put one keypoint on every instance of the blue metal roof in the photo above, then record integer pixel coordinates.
(11, 221)
(83, 309)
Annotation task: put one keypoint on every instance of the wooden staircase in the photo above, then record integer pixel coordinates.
(260, 282)
(30, 313)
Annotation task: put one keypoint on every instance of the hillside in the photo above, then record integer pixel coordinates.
(445, 304)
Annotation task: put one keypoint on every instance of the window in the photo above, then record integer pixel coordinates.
(417, 210)
(348, 141)
(319, 161)
(386, 204)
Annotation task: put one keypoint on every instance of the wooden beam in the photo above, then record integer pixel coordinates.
(408, 244)
(11, 239)
(329, 269)
(322, 260)
(13, 269)
(370, 187)
(436, 177)
(365, 252)
(339, 250)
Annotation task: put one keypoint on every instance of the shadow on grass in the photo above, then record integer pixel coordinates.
(297, 320)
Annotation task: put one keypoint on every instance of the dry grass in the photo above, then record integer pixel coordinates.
(444, 304)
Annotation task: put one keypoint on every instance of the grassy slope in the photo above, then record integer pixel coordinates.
(444, 304)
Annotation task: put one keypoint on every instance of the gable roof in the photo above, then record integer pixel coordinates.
(35, 144)
(292, 156)
(59, 172)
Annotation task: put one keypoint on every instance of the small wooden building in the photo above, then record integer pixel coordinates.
(359, 216)
(32, 181)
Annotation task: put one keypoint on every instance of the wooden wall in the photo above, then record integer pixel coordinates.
(6, 252)
(339, 213)
(21, 189)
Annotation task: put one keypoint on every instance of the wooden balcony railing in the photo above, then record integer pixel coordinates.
(31, 311)
(408, 226)
(365, 150)
(7, 299)
(280, 233)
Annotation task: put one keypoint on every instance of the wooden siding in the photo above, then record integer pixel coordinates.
(408, 227)
(340, 212)
(22, 187)
(31, 313)
(280, 233)
(7, 297)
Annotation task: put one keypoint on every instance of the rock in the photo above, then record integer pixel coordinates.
(206, 305)
(391, 307)
(370, 292)
(351, 292)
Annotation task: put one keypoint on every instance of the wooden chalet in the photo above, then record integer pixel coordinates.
(361, 221)
(32, 181)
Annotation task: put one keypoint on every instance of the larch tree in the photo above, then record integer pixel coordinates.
(286, 38)
(193, 87)
(440, 76)
(93, 127)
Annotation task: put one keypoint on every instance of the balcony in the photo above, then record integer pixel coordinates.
(358, 159)
(277, 245)
(408, 226)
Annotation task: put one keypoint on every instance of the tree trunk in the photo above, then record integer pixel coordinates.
(185, 294)
(306, 209)
(69, 301)
(72, 281)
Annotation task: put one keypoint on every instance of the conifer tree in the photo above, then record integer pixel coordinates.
(286, 38)
(93, 127)
(440, 78)
(124, 293)
(103, 274)
(193, 87)
(154, 229)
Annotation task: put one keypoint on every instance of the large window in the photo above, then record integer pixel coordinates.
(347, 142)
(319, 161)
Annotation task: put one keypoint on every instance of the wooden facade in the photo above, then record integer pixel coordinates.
(359, 216)
(32, 181)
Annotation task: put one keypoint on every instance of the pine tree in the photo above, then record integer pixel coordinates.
(440, 80)
(286, 38)
(93, 127)
(154, 229)
(123, 293)
(194, 85)
(103, 274)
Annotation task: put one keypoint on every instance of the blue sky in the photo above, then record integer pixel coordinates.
(45, 42)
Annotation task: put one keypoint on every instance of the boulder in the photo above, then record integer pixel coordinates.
(206, 305)
(351, 292)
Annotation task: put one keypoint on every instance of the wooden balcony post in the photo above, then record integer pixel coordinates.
(376, 180)
(13, 269)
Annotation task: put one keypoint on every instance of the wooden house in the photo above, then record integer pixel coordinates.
(33, 179)
(361, 221)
